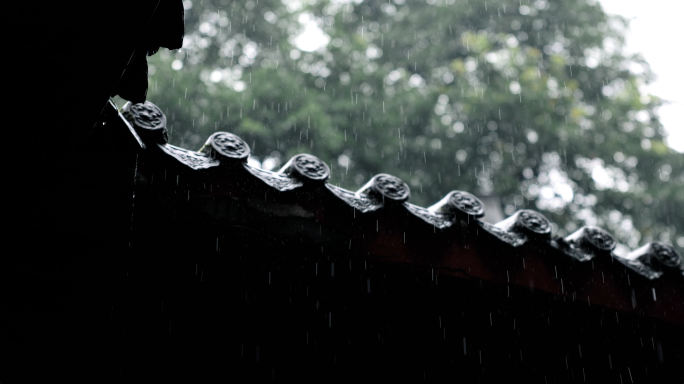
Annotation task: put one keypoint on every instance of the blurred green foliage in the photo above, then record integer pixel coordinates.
(533, 102)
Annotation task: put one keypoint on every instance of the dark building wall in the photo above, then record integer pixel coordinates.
(211, 274)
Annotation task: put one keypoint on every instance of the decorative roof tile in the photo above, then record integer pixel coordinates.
(653, 259)
(191, 159)
(148, 120)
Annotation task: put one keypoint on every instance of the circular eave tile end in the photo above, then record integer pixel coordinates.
(145, 116)
(666, 254)
(391, 187)
(229, 145)
(600, 238)
(310, 167)
(467, 203)
(534, 222)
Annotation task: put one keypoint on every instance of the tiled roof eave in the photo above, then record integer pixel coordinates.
(378, 221)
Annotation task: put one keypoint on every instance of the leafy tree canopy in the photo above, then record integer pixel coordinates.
(534, 102)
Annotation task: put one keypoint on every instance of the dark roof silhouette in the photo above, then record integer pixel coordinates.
(221, 166)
